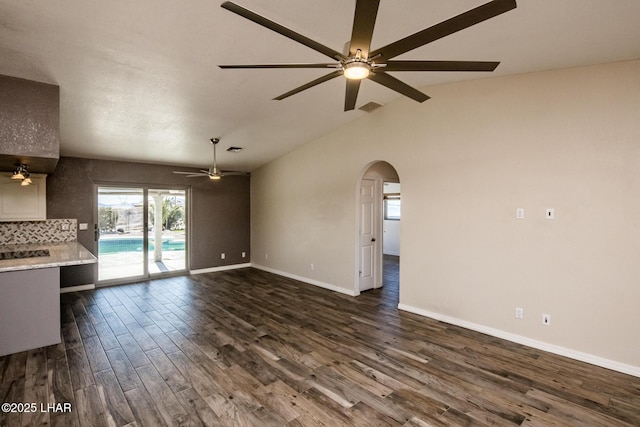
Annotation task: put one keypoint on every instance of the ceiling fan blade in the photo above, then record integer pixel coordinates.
(331, 65)
(274, 26)
(363, 23)
(351, 94)
(394, 84)
(445, 28)
(191, 174)
(441, 66)
(309, 85)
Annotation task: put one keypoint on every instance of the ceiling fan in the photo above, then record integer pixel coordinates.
(361, 62)
(213, 173)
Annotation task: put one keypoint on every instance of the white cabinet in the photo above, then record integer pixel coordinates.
(23, 202)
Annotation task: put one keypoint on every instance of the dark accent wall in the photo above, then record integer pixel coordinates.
(219, 215)
(30, 116)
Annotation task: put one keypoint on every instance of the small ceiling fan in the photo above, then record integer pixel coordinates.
(361, 62)
(213, 173)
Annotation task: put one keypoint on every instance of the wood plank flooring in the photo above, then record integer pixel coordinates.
(246, 347)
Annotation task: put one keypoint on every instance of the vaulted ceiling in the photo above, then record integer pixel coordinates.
(139, 80)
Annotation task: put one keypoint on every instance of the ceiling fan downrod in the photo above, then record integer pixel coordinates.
(213, 172)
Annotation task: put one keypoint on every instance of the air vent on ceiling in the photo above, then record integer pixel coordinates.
(234, 149)
(370, 106)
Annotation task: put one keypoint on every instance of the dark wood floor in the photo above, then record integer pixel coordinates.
(246, 347)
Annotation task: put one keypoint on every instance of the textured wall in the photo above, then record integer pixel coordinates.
(219, 212)
(30, 131)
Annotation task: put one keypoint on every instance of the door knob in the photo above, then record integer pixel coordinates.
(373, 239)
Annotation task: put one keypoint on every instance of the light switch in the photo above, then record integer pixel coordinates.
(520, 213)
(83, 226)
(550, 214)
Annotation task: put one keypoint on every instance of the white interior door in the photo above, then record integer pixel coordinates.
(367, 234)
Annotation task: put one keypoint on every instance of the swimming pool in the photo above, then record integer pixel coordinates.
(134, 244)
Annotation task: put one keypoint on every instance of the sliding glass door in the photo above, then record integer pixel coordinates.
(141, 232)
(121, 221)
(167, 230)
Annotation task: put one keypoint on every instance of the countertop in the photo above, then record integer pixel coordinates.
(60, 254)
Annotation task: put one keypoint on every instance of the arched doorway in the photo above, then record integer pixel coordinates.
(378, 228)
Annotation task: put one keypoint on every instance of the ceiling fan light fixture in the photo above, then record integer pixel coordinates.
(20, 172)
(356, 69)
(215, 176)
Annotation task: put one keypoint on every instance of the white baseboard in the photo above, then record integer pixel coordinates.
(77, 288)
(221, 268)
(306, 280)
(540, 345)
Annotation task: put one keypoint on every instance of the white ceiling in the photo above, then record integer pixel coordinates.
(139, 80)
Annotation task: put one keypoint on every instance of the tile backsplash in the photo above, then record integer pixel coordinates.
(48, 231)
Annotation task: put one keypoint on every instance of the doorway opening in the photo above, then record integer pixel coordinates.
(391, 214)
(378, 240)
(141, 232)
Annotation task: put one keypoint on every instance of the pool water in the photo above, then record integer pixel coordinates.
(135, 244)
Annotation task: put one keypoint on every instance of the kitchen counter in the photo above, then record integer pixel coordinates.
(30, 293)
(60, 255)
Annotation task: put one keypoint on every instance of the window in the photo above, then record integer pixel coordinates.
(392, 207)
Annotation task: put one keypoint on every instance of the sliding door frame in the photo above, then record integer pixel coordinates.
(146, 275)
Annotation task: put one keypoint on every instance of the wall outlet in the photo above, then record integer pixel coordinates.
(244, 254)
(65, 226)
(266, 256)
(222, 256)
(519, 313)
(312, 267)
(520, 213)
(546, 319)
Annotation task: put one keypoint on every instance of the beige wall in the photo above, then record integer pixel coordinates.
(467, 158)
